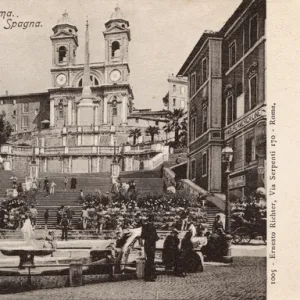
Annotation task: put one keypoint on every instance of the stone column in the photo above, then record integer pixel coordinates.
(105, 110)
(78, 116)
(124, 109)
(70, 164)
(52, 108)
(69, 112)
(96, 122)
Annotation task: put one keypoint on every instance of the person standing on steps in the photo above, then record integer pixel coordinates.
(52, 187)
(73, 183)
(47, 186)
(178, 160)
(70, 214)
(46, 218)
(150, 236)
(64, 230)
(66, 182)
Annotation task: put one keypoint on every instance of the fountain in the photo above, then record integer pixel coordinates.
(28, 251)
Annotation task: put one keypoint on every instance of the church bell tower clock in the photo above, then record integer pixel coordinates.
(64, 47)
(117, 38)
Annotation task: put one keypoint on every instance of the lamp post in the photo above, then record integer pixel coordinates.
(227, 156)
(115, 155)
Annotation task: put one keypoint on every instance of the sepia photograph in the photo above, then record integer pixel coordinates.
(134, 150)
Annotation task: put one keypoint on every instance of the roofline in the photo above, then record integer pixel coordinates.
(234, 18)
(229, 24)
(194, 53)
(24, 95)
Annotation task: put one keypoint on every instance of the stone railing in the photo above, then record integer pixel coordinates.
(54, 150)
(169, 178)
(154, 162)
(91, 149)
(193, 189)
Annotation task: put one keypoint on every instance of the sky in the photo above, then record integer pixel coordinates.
(163, 33)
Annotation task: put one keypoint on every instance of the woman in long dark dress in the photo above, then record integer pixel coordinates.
(170, 251)
(191, 260)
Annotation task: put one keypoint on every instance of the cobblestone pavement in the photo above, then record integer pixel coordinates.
(245, 279)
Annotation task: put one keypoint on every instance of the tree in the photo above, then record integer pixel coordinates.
(152, 131)
(5, 128)
(176, 123)
(135, 133)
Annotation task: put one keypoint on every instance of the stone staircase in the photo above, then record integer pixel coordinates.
(211, 214)
(5, 181)
(146, 183)
(173, 157)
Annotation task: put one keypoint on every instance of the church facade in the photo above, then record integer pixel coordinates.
(83, 121)
(111, 98)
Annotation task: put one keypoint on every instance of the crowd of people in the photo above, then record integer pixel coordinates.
(123, 207)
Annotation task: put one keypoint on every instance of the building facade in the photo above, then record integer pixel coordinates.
(226, 106)
(176, 98)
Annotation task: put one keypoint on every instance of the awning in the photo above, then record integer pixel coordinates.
(45, 122)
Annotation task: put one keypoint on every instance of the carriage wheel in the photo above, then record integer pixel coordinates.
(244, 234)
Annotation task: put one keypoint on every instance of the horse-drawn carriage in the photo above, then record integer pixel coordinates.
(244, 231)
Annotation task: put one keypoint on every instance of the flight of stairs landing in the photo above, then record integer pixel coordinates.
(172, 159)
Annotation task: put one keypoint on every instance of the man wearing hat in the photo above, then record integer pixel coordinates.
(64, 230)
(150, 236)
(171, 250)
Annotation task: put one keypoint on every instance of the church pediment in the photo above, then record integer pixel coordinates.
(62, 34)
(116, 28)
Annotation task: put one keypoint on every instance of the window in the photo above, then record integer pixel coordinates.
(25, 107)
(15, 127)
(174, 87)
(25, 121)
(62, 54)
(94, 81)
(253, 91)
(204, 118)
(204, 70)
(232, 54)
(14, 113)
(193, 84)
(193, 129)
(156, 123)
(182, 90)
(36, 112)
(174, 102)
(114, 111)
(230, 110)
(182, 104)
(61, 110)
(136, 120)
(204, 164)
(250, 150)
(253, 30)
(193, 169)
(115, 49)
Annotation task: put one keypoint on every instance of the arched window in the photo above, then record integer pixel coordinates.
(62, 54)
(94, 81)
(115, 49)
(60, 110)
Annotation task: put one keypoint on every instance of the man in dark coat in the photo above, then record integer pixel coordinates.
(171, 250)
(73, 183)
(64, 230)
(150, 236)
